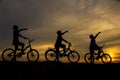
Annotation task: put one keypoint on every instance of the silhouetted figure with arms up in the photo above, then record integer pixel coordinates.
(93, 45)
(16, 35)
(58, 43)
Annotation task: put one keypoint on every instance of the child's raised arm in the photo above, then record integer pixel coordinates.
(64, 32)
(97, 34)
(23, 29)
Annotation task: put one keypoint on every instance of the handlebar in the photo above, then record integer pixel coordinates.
(102, 46)
(29, 40)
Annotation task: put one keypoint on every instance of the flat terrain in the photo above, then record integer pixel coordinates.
(58, 71)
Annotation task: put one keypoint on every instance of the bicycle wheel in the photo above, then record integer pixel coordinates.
(50, 55)
(73, 56)
(8, 54)
(106, 58)
(88, 58)
(33, 55)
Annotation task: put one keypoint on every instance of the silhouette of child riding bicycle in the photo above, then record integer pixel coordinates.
(90, 57)
(11, 54)
(60, 50)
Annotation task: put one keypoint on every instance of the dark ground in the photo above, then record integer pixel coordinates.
(58, 71)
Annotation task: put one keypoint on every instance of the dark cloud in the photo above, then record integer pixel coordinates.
(118, 0)
(1, 1)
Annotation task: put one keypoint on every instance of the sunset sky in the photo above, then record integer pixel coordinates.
(80, 17)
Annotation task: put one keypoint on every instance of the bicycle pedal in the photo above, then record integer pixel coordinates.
(61, 55)
(97, 58)
(19, 55)
(23, 53)
(64, 54)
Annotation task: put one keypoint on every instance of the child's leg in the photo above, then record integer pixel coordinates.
(22, 45)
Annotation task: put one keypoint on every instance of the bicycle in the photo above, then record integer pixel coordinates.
(32, 54)
(105, 57)
(72, 55)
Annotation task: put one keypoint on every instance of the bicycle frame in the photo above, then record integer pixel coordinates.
(28, 46)
(11, 54)
(101, 51)
(106, 58)
(67, 50)
(72, 56)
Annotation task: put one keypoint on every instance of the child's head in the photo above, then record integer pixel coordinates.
(59, 32)
(15, 27)
(91, 36)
